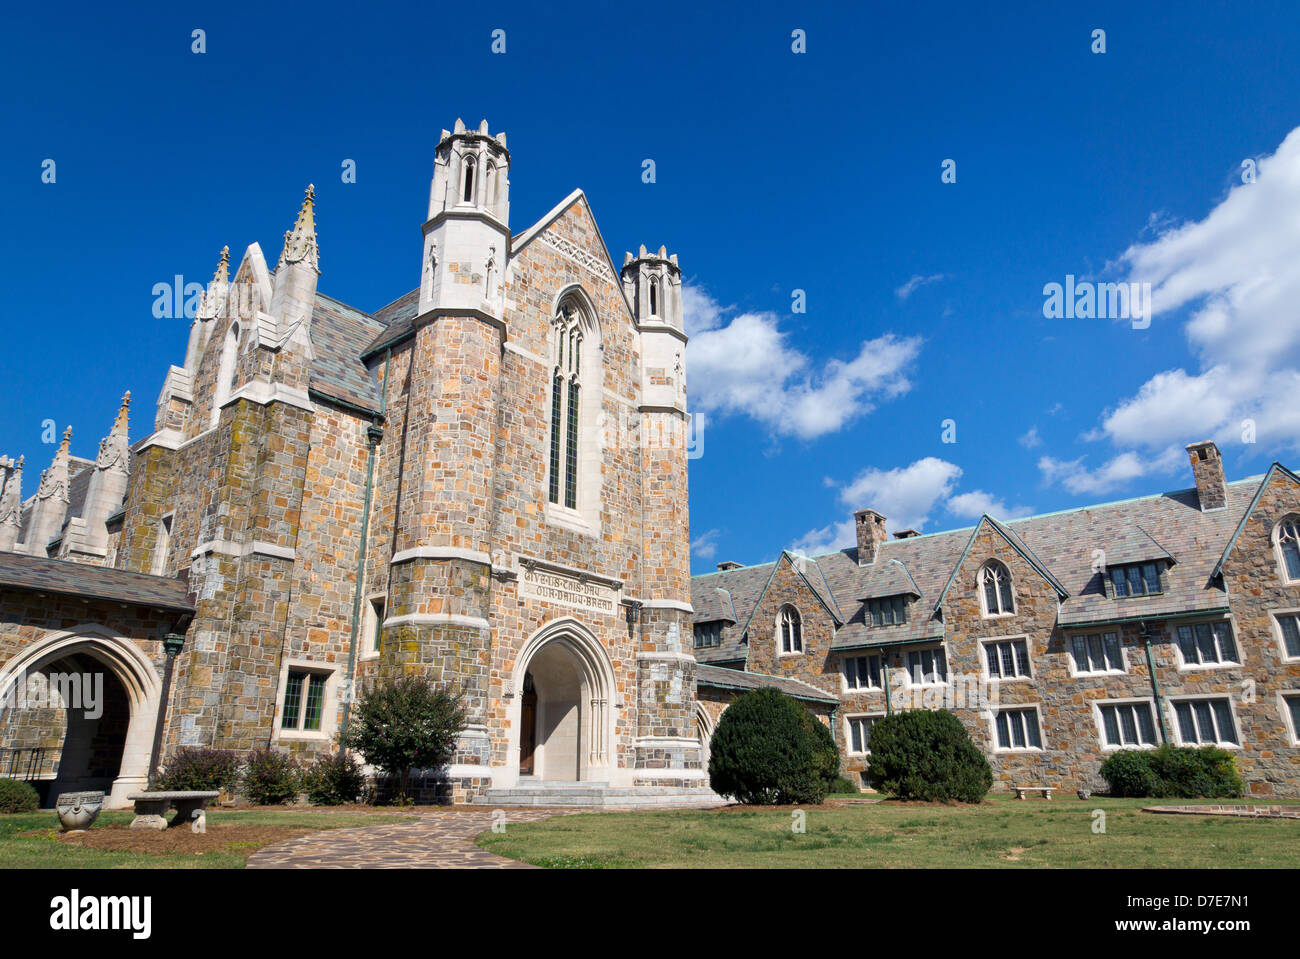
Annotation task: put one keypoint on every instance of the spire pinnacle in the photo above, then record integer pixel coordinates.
(67, 440)
(300, 242)
(222, 275)
(119, 425)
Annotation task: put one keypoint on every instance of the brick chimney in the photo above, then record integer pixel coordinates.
(727, 564)
(871, 533)
(1207, 468)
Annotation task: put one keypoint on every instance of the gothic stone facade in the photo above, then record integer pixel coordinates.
(484, 482)
(1198, 643)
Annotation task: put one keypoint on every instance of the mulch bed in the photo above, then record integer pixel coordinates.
(218, 838)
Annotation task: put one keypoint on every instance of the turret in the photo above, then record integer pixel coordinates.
(294, 295)
(467, 235)
(51, 501)
(653, 284)
(11, 504)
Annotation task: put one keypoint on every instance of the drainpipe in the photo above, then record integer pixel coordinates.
(884, 675)
(374, 433)
(172, 645)
(1155, 683)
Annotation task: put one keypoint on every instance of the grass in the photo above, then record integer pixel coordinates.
(1001, 833)
(31, 840)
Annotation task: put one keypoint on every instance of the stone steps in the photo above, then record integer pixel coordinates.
(600, 796)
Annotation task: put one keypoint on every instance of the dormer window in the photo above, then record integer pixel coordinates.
(1135, 579)
(995, 589)
(708, 635)
(1287, 540)
(887, 611)
(789, 631)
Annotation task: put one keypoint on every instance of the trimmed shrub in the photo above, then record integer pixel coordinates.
(270, 778)
(843, 785)
(927, 754)
(1128, 773)
(18, 796)
(1173, 772)
(334, 780)
(409, 723)
(193, 768)
(769, 750)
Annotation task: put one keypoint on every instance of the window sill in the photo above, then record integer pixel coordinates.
(1115, 749)
(1093, 673)
(1205, 667)
(297, 735)
(556, 515)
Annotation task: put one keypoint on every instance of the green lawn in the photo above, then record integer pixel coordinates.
(45, 850)
(1001, 833)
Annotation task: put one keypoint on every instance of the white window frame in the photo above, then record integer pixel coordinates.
(1276, 538)
(1017, 708)
(1011, 587)
(1177, 728)
(329, 703)
(1273, 615)
(780, 639)
(1100, 631)
(1185, 666)
(918, 647)
(995, 640)
(1131, 701)
(848, 732)
(1293, 734)
(585, 517)
(371, 621)
(844, 673)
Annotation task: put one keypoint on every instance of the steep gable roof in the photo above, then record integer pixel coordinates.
(1016, 543)
(1275, 469)
(339, 334)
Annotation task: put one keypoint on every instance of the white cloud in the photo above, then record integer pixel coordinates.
(828, 539)
(705, 546)
(1031, 439)
(747, 366)
(976, 503)
(915, 283)
(1235, 270)
(700, 311)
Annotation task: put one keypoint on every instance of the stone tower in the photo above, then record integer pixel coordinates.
(438, 621)
(666, 662)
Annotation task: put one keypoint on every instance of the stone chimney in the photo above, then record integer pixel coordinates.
(905, 534)
(1207, 468)
(871, 534)
(727, 564)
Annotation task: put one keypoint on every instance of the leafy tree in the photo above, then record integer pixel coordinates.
(406, 724)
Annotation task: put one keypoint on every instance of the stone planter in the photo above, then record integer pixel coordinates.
(1085, 793)
(78, 810)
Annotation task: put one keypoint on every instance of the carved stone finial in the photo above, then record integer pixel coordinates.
(222, 275)
(300, 242)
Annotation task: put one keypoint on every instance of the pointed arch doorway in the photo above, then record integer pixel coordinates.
(563, 680)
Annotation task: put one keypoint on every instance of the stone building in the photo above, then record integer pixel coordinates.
(483, 482)
(1056, 639)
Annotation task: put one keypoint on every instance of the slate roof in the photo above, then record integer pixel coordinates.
(34, 574)
(720, 678)
(397, 318)
(1167, 526)
(339, 335)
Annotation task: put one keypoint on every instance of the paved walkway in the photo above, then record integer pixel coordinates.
(439, 840)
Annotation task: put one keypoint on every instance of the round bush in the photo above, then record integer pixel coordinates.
(18, 796)
(194, 768)
(333, 780)
(270, 778)
(769, 750)
(928, 755)
(1128, 773)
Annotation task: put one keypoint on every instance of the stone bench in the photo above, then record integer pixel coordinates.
(151, 807)
(1045, 790)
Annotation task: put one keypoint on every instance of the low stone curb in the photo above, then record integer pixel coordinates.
(1247, 812)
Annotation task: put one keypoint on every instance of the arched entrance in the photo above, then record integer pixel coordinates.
(563, 717)
(95, 697)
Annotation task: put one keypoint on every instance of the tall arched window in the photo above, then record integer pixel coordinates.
(467, 178)
(654, 296)
(1287, 539)
(566, 404)
(995, 586)
(789, 630)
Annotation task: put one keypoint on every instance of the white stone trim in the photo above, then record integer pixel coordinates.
(437, 619)
(1072, 634)
(1096, 705)
(1013, 638)
(1177, 729)
(329, 705)
(222, 546)
(992, 716)
(264, 394)
(1279, 636)
(677, 657)
(263, 548)
(668, 604)
(1283, 695)
(440, 552)
(848, 732)
(226, 548)
(666, 742)
(526, 354)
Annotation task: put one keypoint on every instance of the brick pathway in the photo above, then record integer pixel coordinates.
(439, 840)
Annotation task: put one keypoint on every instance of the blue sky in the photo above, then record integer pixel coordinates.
(775, 172)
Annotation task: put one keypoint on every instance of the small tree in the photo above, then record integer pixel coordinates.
(407, 724)
(769, 750)
(927, 754)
